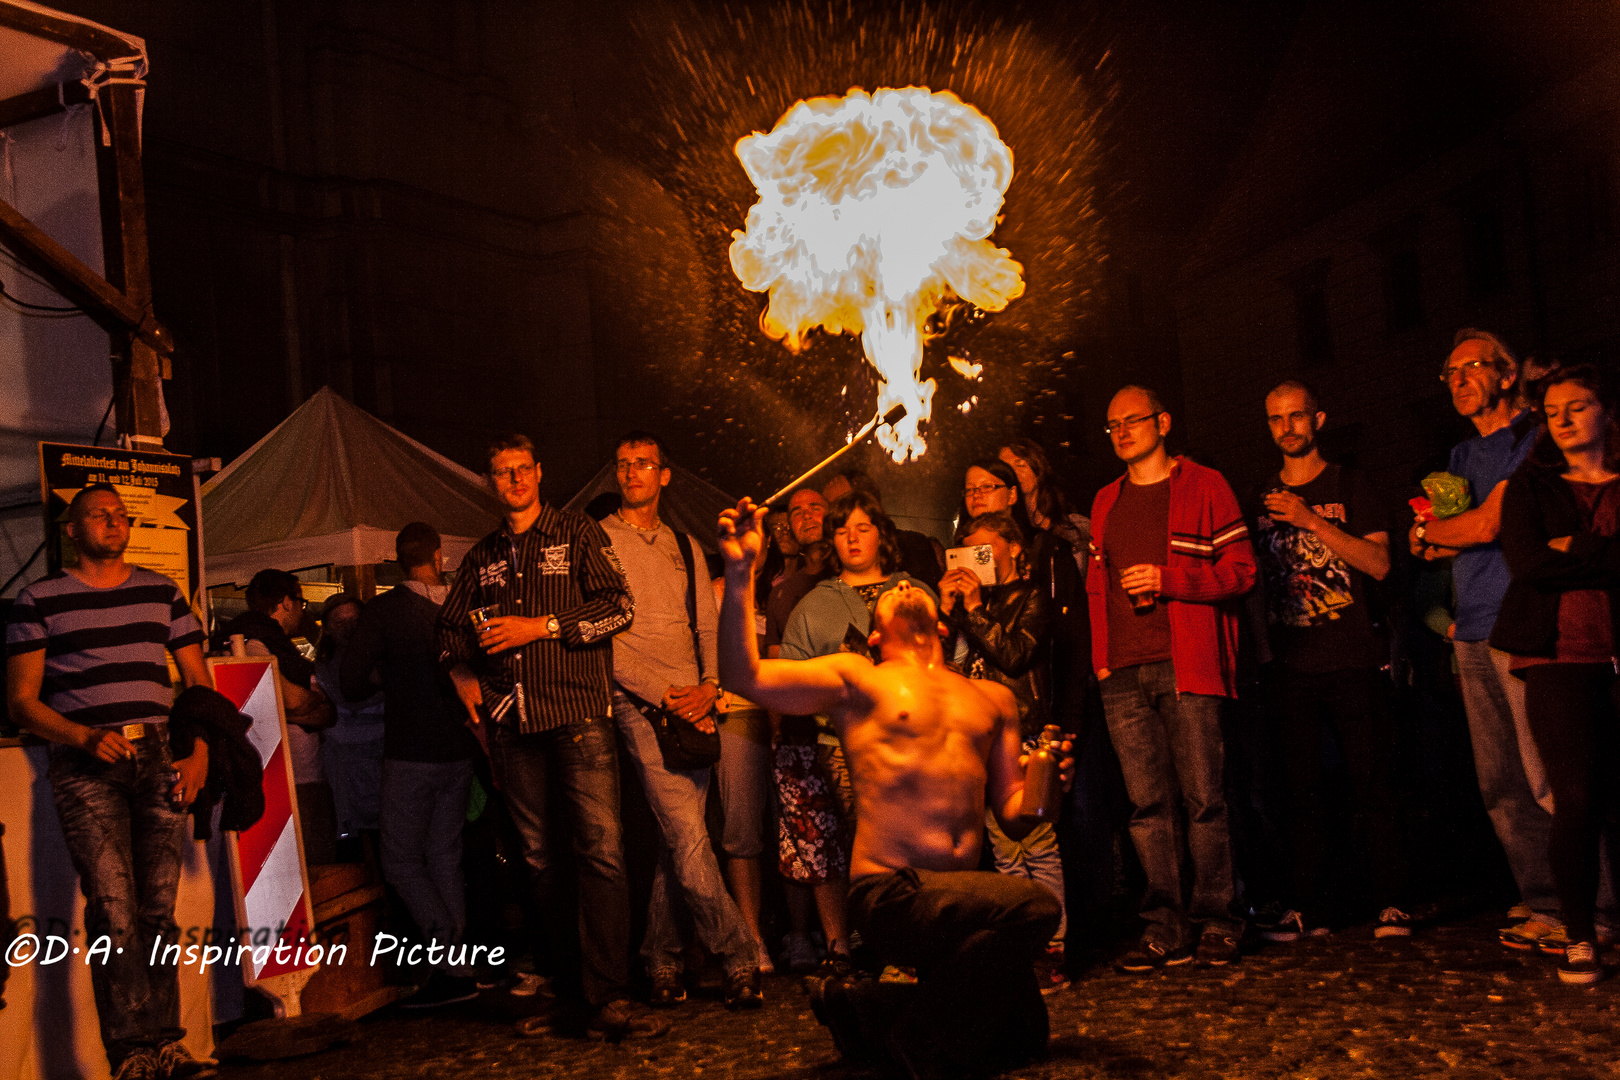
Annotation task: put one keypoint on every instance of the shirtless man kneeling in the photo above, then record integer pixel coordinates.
(923, 744)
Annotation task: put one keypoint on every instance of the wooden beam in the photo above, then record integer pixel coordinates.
(76, 281)
(46, 101)
(137, 370)
(98, 41)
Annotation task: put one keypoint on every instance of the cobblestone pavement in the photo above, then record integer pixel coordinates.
(1449, 1002)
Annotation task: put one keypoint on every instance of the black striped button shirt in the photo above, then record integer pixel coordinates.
(104, 662)
(562, 565)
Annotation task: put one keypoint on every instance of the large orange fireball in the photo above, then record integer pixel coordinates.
(874, 212)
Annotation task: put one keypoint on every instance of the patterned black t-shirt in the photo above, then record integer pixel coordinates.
(1316, 603)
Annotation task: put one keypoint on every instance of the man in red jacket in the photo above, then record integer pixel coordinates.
(1172, 555)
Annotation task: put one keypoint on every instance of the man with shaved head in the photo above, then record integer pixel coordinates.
(927, 751)
(1172, 556)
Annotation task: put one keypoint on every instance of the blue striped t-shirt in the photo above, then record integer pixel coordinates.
(104, 663)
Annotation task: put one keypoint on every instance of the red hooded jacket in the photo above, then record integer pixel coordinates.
(1211, 564)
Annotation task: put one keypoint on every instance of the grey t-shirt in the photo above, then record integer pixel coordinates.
(655, 652)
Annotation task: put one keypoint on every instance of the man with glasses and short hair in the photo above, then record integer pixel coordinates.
(666, 661)
(85, 669)
(1482, 375)
(526, 637)
(1171, 557)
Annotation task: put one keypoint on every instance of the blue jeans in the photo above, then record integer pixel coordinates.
(1509, 770)
(1034, 857)
(126, 844)
(687, 887)
(1171, 752)
(424, 808)
(581, 759)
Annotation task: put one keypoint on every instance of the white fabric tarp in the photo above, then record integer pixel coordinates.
(690, 503)
(332, 484)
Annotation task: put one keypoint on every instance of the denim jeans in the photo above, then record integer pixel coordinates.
(126, 844)
(744, 775)
(580, 760)
(1509, 770)
(424, 808)
(687, 887)
(973, 938)
(1171, 753)
(1034, 857)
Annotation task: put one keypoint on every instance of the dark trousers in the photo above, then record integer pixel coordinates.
(973, 938)
(576, 769)
(1572, 710)
(125, 841)
(1353, 705)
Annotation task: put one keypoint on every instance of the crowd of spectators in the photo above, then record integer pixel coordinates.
(1235, 678)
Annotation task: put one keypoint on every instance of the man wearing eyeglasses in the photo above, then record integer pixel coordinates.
(1482, 376)
(1172, 557)
(85, 669)
(534, 673)
(666, 660)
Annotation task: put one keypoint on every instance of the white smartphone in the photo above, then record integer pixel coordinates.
(976, 558)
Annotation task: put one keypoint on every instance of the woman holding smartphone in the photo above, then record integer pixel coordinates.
(1559, 519)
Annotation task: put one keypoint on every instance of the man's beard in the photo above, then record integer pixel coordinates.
(1302, 450)
(914, 611)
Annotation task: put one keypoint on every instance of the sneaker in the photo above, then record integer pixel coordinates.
(1049, 970)
(1580, 965)
(174, 1061)
(1148, 955)
(1289, 927)
(529, 984)
(742, 990)
(139, 1065)
(1520, 912)
(1266, 916)
(1554, 943)
(624, 1019)
(1393, 922)
(798, 954)
(1216, 948)
(441, 990)
(1528, 934)
(667, 989)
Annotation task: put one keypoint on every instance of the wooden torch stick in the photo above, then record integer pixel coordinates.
(891, 418)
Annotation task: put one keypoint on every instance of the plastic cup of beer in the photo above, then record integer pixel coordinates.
(1140, 601)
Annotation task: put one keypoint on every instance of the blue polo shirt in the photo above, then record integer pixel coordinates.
(1480, 573)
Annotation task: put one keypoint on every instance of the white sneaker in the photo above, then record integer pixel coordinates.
(1393, 922)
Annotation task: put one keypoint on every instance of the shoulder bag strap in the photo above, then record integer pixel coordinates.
(684, 542)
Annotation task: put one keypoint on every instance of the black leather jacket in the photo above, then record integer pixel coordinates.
(1007, 640)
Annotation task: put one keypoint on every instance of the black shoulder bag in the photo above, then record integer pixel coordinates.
(685, 747)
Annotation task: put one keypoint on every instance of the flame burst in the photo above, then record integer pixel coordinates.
(874, 213)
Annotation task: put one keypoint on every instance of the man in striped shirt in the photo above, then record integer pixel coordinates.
(535, 677)
(85, 669)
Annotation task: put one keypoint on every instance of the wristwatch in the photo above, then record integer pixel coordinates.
(553, 627)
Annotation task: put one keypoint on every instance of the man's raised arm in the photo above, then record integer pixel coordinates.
(796, 687)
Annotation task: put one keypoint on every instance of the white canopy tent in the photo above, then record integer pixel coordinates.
(332, 485)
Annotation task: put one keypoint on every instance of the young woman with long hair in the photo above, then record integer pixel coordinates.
(1560, 517)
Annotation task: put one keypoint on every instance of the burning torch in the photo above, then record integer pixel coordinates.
(892, 417)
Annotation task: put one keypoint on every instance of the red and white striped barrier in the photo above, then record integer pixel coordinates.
(268, 876)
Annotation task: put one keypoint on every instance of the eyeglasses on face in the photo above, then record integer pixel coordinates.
(638, 465)
(513, 473)
(982, 489)
(1465, 369)
(1114, 427)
